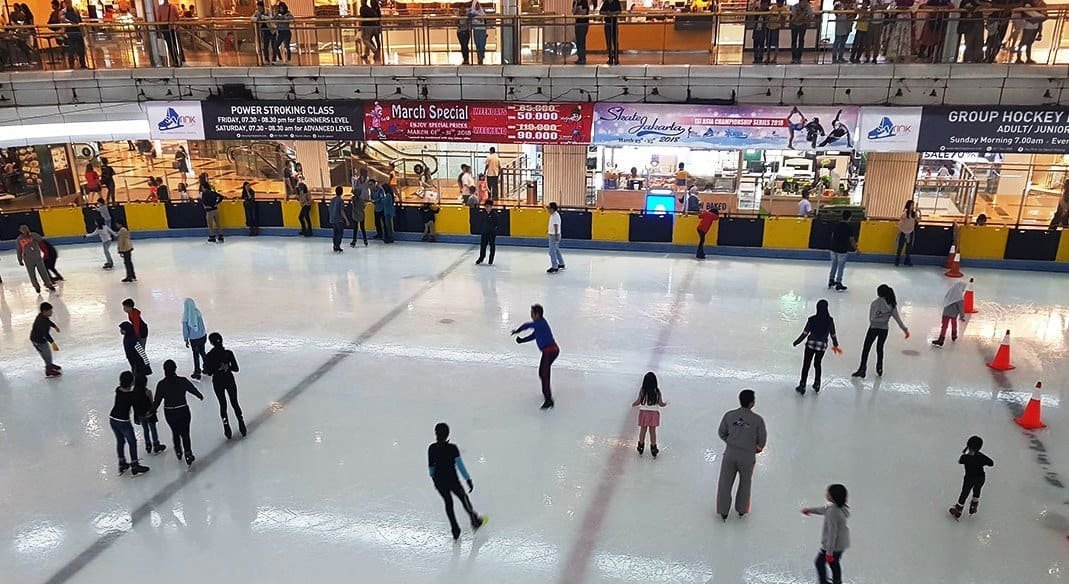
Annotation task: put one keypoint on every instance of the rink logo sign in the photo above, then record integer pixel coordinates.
(885, 129)
(181, 120)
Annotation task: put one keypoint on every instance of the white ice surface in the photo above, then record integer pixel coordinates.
(333, 485)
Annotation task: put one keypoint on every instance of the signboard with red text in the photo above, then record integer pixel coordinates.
(490, 122)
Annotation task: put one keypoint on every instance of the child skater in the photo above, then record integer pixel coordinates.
(146, 416)
(171, 392)
(135, 351)
(953, 309)
(881, 311)
(134, 314)
(41, 338)
(835, 536)
(221, 365)
(818, 328)
(106, 235)
(125, 399)
(443, 462)
(974, 462)
(543, 337)
(649, 403)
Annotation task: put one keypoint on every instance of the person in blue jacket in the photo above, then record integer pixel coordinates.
(443, 462)
(195, 334)
(542, 335)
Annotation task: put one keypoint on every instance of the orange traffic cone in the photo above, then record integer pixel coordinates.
(950, 256)
(970, 300)
(1032, 419)
(955, 267)
(1002, 357)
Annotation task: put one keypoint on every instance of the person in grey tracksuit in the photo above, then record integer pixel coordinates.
(28, 245)
(744, 433)
(835, 535)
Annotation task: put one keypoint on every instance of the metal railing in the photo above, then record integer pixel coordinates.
(700, 38)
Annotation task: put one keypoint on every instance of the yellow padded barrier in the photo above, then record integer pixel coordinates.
(232, 214)
(685, 231)
(878, 236)
(528, 222)
(987, 243)
(610, 226)
(291, 210)
(1063, 248)
(786, 233)
(451, 220)
(62, 222)
(146, 216)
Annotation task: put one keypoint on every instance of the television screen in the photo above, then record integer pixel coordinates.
(660, 204)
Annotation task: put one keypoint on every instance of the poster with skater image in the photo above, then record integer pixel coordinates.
(726, 127)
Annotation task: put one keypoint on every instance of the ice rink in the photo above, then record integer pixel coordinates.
(348, 361)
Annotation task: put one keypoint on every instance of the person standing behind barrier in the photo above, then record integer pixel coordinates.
(107, 177)
(581, 8)
(305, 216)
(167, 15)
(907, 227)
(478, 29)
(492, 170)
(801, 19)
(744, 434)
(29, 254)
(844, 25)
(92, 183)
(371, 29)
(283, 34)
(556, 260)
(262, 18)
(610, 10)
(464, 36)
(758, 24)
(75, 36)
(777, 20)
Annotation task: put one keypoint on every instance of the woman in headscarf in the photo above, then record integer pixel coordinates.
(818, 328)
(194, 333)
(953, 309)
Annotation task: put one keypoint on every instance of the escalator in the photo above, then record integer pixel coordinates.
(260, 159)
(347, 156)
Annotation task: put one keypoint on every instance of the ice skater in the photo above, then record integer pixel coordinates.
(339, 219)
(221, 365)
(50, 255)
(210, 199)
(744, 433)
(543, 337)
(29, 255)
(106, 235)
(140, 326)
(195, 334)
(881, 311)
(427, 212)
(488, 227)
(41, 338)
(122, 427)
(145, 415)
(974, 462)
(443, 462)
(556, 260)
(834, 536)
(843, 243)
(135, 351)
(953, 309)
(818, 328)
(171, 392)
(358, 205)
(126, 250)
(649, 404)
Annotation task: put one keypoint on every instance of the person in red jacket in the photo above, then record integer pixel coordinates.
(705, 223)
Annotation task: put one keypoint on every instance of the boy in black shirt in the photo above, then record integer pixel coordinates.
(443, 461)
(974, 462)
(41, 337)
(487, 232)
(843, 242)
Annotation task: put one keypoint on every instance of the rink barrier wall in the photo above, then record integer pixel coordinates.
(771, 237)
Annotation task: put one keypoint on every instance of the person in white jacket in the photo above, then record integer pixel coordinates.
(106, 235)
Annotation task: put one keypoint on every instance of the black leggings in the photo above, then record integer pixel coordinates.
(305, 217)
(197, 346)
(178, 420)
(880, 336)
(545, 365)
(447, 491)
(815, 357)
(487, 240)
(973, 484)
(222, 389)
(836, 568)
(358, 228)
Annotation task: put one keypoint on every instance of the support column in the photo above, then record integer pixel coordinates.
(890, 181)
(313, 158)
(564, 175)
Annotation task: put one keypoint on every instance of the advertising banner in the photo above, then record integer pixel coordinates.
(283, 120)
(460, 121)
(995, 129)
(176, 120)
(725, 127)
(889, 129)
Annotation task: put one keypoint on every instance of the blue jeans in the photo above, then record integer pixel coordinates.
(124, 434)
(149, 430)
(838, 50)
(556, 260)
(838, 264)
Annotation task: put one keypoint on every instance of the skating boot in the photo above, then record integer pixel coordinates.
(456, 534)
(226, 429)
(816, 387)
(158, 448)
(195, 376)
(51, 371)
(220, 239)
(654, 450)
(974, 506)
(641, 448)
(241, 427)
(211, 239)
(178, 452)
(547, 404)
(955, 511)
(123, 467)
(479, 522)
(800, 389)
(190, 458)
(137, 469)
(937, 343)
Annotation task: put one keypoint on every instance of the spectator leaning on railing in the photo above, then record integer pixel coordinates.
(167, 15)
(802, 18)
(263, 18)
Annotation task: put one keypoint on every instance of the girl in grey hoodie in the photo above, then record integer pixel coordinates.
(835, 536)
(881, 311)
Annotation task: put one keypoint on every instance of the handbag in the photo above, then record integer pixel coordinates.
(176, 165)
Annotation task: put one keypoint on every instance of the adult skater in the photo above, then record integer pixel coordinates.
(210, 200)
(843, 243)
(907, 227)
(443, 461)
(106, 235)
(136, 319)
(121, 425)
(126, 250)
(171, 392)
(252, 213)
(556, 260)
(543, 337)
(28, 246)
(489, 219)
(388, 211)
(744, 433)
(361, 197)
(135, 351)
(338, 219)
(818, 328)
(881, 311)
(49, 255)
(194, 333)
(705, 223)
(41, 338)
(974, 462)
(377, 195)
(221, 365)
(834, 536)
(305, 216)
